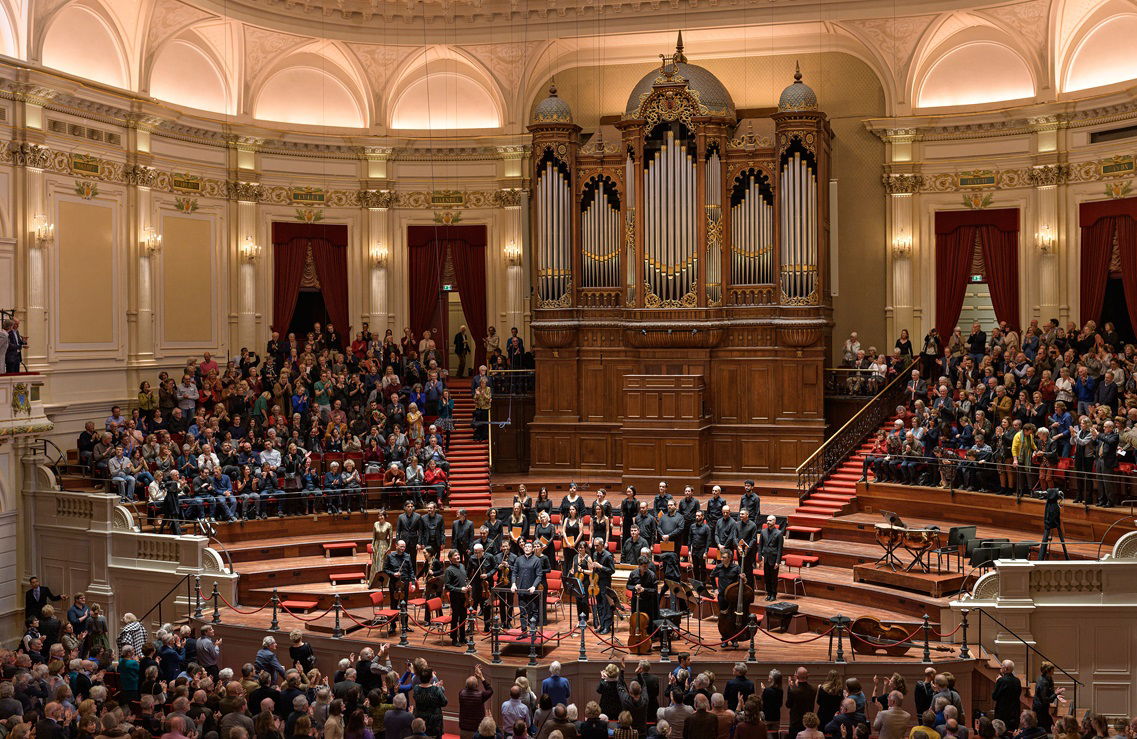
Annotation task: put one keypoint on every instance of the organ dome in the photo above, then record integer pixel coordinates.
(798, 96)
(552, 109)
(705, 86)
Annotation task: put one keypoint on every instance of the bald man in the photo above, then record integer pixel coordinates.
(1007, 695)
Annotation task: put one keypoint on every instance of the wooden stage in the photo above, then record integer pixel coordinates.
(935, 584)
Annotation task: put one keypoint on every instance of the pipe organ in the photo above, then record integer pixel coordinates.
(680, 240)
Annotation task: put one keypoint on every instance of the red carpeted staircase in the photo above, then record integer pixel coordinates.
(838, 492)
(469, 462)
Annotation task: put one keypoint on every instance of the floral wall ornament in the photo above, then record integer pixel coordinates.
(186, 205)
(447, 218)
(309, 215)
(977, 201)
(21, 399)
(1118, 189)
(86, 190)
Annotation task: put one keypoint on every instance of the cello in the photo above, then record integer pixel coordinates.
(732, 621)
(639, 628)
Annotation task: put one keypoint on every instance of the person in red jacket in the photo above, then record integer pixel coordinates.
(435, 478)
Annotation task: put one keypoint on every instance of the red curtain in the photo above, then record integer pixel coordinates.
(426, 260)
(331, 269)
(290, 243)
(956, 233)
(1001, 258)
(1127, 251)
(1097, 247)
(469, 260)
(953, 263)
(287, 269)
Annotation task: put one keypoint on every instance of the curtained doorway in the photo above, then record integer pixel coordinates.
(1115, 309)
(965, 239)
(444, 261)
(309, 258)
(1108, 264)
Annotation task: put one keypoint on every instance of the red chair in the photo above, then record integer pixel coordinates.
(613, 546)
(439, 624)
(793, 580)
(382, 616)
(554, 592)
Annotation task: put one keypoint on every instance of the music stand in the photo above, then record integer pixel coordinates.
(889, 558)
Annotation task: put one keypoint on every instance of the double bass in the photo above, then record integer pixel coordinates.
(732, 621)
(639, 628)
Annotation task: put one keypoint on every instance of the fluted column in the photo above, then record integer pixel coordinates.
(141, 317)
(1047, 242)
(378, 261)
(248, 251)
(512, 246)
(902, 248)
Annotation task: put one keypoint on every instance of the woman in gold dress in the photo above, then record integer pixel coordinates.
(381, 541)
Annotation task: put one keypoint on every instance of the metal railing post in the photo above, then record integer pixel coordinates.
(927, 649)
(216, 610)
(964, 652)
(197, 596)
(337, 606)
(275, 625)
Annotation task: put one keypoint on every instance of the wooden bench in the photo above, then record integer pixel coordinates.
(339, 547)
(337, 578)
(811, 532)
(298, 605)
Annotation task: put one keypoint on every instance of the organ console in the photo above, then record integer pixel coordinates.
(680, 226)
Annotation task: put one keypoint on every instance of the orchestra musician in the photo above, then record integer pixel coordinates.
(671, 527)
(723, 576)
(481, 571)
(770, 549)
(750, 501)
(572, 528)
(503, 564)
(747, 538)
(517, 527)
(545, 532)
(630, 549)
(688, 507)
(645, 589)
(408, 528)
(528, 582)
(399, 569)
(462, 535)
(582, 566)
(629, 509)
(698, 541)
(602, 564)
(457, 588)
(433, 531)
(662, 498)
(647, 522)
(493, 529)
(726, 530)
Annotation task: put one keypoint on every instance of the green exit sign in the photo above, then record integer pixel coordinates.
(447, 288)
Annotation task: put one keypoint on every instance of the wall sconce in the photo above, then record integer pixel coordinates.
(43, 231)
(151, 240)
(379, 255)
(902, 247)
(1045, 240)
(512, 253)
(250, 249)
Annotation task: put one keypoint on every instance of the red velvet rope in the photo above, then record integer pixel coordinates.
(774, 636)
(306, 620)
(627, 648)
(950, 633)
(885, 642)
(238, 610)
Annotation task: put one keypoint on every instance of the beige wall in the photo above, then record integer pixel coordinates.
(85, 267)
(187, 280)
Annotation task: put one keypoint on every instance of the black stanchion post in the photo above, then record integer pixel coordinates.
(471, 626)
(197, 596)
(964, 651)
(840, 639)
(583, 656)
(216, 609)
(275, 625)
(337, 632)
(403, 622)
(532, 641)
(495, 646)
(752, 627)
(927, 650)
(665, 642)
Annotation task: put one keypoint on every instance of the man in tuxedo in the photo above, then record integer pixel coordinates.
(770, 544)
(408, 528)
(457, 588)
(14, 353)
(37, 597)
(747, 541)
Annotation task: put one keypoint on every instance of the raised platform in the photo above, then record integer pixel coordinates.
(934, 584)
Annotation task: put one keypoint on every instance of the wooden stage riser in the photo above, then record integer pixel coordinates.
(453, 666)
(935, 585)
(996, 510)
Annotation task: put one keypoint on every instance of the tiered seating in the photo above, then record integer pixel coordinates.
(837, 494)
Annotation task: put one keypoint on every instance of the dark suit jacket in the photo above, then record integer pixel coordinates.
(1008, 699)
(699, 725)
(48, 729)
(770, 544)
(650, 684)
(800, 699)
(33, 606)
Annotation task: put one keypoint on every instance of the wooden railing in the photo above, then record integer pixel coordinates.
(841, 444)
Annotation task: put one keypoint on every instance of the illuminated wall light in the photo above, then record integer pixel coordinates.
(1045, 240)
(902, 246)
(43, 231)
(151, 240)
(512, 253)
(379, 255)
(250, 249)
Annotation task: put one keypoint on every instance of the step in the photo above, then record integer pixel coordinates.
(844, 477)
(299, 605)
(812, 511)
(340, 547)
(337, 578)
(841, 498)
(810, 532)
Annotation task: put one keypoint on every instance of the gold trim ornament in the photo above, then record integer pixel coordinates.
(21, 400)
(977, 201)
(447, 218)
(309, 215)
(86, 190)
(1116, 190)
(185, 205)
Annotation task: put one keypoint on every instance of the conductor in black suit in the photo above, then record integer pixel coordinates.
(37, 597)
(770, 543)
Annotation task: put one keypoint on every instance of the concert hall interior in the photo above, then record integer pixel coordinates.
(542, 347)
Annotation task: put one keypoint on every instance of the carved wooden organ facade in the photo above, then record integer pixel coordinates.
(682, 244)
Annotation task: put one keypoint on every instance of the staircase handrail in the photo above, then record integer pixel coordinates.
(1030, 648)
(158, 604)
(834, 450)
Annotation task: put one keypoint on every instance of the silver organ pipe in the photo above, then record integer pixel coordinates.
(712, 187)
(671, 220)
(752, 231)
(554, 233)
(630, 209)
(601, 227)
(798, 218)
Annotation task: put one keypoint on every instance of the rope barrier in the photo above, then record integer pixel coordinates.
(950, 633)
(882, 642)
(238, 610)
(683, 633)
(775, 637)
(359, 623)
(626, 648)
(306, 620)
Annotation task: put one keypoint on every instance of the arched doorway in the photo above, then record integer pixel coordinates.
(447, 275)
(309, 278)
(1109, 264)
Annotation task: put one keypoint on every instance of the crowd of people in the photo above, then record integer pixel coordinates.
(70, 683)
(315, 425)
(1009, 412)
